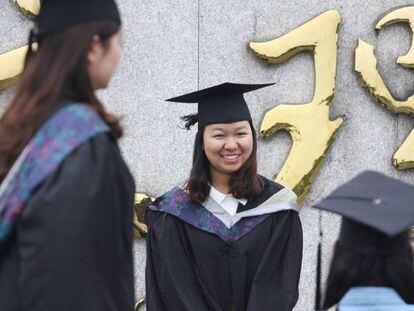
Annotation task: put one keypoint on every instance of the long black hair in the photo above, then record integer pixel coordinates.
(56, 72)
(352, 269)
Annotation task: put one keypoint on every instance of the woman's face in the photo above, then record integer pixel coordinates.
(103, 60)
(228, 146)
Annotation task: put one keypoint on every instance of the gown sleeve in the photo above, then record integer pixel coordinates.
(75, 236)
(170, 270)
(277, 277)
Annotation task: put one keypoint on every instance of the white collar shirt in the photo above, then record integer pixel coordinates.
(227, 202)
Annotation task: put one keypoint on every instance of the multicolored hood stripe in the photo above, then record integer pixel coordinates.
(65, 131)
(177, 203)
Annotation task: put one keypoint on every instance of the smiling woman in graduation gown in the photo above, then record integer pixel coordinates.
(66, 194)
(201, 256)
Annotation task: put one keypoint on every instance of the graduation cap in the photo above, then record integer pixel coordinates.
(58, 15)
(377, 213)
(222, 103)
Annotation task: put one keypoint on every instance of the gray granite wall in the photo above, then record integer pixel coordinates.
(173, 47)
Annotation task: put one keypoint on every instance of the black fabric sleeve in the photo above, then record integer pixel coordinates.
(172, 282)
(277, 279)
(75, 236)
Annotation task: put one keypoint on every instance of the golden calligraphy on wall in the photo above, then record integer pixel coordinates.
(29, 7)
(11, 63)
(366, 66)
(309, 125)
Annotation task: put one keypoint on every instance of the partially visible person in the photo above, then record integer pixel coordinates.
(372, 266)
(66, 194)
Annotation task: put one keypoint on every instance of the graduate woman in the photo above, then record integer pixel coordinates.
(66, 195)
(372, 266)
(230, 239)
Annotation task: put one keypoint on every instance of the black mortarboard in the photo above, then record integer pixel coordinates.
(58, 15)
(377, 212)
(222, 103)
(373, 200)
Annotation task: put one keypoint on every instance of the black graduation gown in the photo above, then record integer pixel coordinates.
(72, 248)
(191, 269)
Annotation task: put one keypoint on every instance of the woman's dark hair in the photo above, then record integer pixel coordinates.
(351, 269)
(245, 183)
(56, 73)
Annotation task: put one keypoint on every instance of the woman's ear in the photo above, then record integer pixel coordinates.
(95, 51)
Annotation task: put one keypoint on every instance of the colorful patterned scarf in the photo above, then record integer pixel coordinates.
(177, 203)
(65, 131)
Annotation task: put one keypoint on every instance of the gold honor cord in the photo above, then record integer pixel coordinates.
(366, 66)
(30, 8)
(308, 124)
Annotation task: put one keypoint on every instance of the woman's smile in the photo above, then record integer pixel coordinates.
(231, 157)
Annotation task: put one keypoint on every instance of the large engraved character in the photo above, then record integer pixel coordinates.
(29, 7)
(366, 66)
(309, 125)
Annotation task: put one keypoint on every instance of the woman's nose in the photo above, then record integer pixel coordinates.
(231, 144)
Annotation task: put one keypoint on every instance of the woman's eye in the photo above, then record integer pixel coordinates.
(242, 134)
(218, 136)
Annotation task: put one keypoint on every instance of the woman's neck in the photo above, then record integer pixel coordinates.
(220, 181)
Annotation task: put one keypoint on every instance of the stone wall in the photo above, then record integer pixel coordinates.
(173, 47)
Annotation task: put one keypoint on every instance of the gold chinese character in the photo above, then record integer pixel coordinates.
(309, 125)
(366, 66)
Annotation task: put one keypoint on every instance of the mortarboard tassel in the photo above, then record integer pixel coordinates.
(318, 294)
(33, 38)
(190, 120)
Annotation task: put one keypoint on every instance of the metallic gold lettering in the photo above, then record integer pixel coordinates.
(28, 7)
(139, 303)
(366, 67)
(308, 124)
(141, 203)
(11, 65)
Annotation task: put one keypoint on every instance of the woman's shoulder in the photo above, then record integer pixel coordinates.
(97, 152)
(171, 203)
(174, 196)
(270, 187)
(95, 162)
(276, 193)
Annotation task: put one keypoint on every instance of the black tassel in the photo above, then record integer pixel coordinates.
(190, 120)
(318, 294)
(33, 38)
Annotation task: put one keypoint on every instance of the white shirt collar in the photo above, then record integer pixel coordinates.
(219, 197)
(285, 199)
